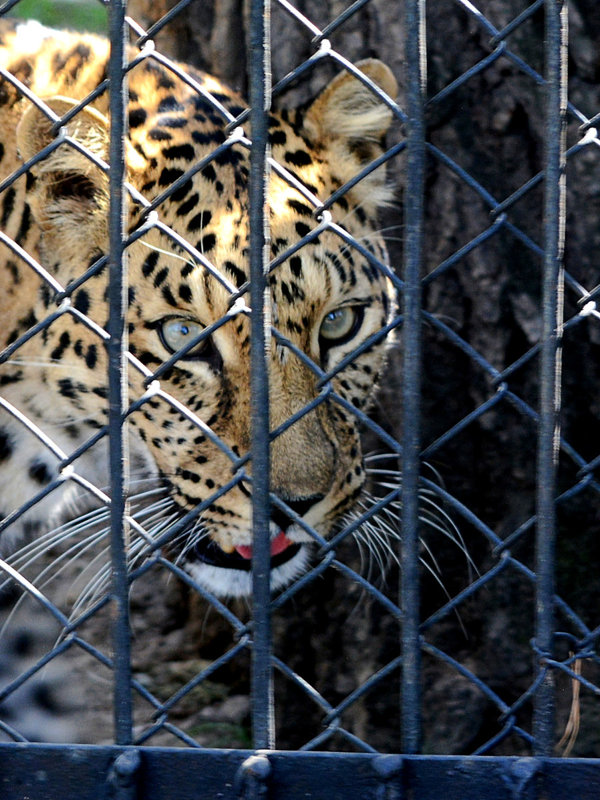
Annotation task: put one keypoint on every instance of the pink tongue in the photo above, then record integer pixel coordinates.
(278, 545)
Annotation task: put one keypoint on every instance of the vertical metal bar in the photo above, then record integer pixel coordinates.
(550, 365)
(413, 220)
(117, 374)
(260, 97)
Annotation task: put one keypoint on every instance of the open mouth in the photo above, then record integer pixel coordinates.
(282, 550)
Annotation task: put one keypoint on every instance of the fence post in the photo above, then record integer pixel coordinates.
(260, 98)
(117, 374)
(550, 366)
(411, 438)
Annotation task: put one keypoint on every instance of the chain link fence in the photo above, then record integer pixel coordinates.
(454, 612)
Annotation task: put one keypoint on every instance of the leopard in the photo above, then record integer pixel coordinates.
(185, 184)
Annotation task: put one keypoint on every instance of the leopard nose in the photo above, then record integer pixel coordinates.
(300, 505)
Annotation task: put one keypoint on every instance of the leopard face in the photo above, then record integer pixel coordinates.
(188, 306)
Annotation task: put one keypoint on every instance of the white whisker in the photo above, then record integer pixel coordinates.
(380, 533)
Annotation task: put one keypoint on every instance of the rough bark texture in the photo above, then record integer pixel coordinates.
(493, 127)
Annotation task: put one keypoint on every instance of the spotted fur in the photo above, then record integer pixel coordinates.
(326, 299)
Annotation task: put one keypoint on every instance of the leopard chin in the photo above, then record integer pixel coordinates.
(229, 575)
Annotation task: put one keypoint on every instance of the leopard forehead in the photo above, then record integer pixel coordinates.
(210, 209)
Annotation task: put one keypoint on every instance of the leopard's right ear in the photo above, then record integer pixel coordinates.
(70, 194)
(348, 121)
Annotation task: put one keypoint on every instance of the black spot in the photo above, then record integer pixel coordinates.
(158, 135)
(209, 173)
(137, 117)
(14, 271)
(169, 176)
(302, 229)
(168, 295)
(208, 138)
(8, 204)
(239, 276)
(297, 292)
(148, 358)
(199, 221)
(185, 293)
(184, 151)
(180, 193)
(72, 431)
(169, 103)
(66, 388)
(277, 137)
(301, 208)
(229, 156)
(82, 301)
(46, 295)
(187, 475)
(15, 377)
(29, 320)
(160, 277)
(187, 270)
(91, 357)
(173, 122)
(296, 266)
(63, 342)
(25, 223)
(207, 243)
(339, 267)
(285, 291)
(189, 204)
(149, 264)
(299, 158)
(346, 254)
(39, 472)
(6, 446)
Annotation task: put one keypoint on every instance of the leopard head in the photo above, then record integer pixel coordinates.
(188, 305)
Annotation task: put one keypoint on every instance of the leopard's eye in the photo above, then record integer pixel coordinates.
(339, 325)
(176, 332)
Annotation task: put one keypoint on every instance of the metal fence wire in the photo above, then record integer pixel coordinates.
(464, 636)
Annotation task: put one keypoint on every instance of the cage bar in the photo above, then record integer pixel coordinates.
(117, 375)
(411, 431)
(262, 673)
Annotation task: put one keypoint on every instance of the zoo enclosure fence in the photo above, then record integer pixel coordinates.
(133, 767)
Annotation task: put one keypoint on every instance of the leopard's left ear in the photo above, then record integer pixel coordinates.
(69, 197)
(349, 122)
